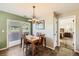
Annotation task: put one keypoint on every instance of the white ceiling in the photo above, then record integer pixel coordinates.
(41, 8)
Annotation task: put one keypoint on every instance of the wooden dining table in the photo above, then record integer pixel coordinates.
(32, 40)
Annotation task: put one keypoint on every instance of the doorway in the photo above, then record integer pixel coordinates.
(67, 32)
(15, 28)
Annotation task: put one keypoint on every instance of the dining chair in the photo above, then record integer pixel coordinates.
(42, 40)
(25, 43)
(40, 44)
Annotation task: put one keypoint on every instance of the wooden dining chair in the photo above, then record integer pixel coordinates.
(42, 40)
(25, 43)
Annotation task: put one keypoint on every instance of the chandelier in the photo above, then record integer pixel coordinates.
(34, 19)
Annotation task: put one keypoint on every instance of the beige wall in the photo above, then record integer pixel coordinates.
(77, 25)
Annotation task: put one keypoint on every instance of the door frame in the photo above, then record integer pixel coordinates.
(18, 41)
(74, 38)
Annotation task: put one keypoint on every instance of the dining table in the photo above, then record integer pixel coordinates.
(32, 39)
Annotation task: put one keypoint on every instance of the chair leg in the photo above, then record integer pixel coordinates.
(21, 43)
(26, 49)
(45, 43)
(23, 48)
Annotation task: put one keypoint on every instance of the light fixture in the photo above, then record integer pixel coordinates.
(34, 19)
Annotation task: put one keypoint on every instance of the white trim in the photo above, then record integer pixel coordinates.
(20, 21)
(7, 34)
(3, 49)
(55, 31)
(74, 39)
(50, 47)
(15, 42)
(76, 51)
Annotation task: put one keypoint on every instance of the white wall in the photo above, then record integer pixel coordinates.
(48, 29)
(67, 24)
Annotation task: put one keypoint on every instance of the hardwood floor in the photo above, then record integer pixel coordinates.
(17, 51)
(67, 43)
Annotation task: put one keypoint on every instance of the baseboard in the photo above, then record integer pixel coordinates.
(76, 51)
(3, 49)
(50, 47)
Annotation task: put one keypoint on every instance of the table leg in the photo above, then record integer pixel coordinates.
(33, 48)
(44, 41)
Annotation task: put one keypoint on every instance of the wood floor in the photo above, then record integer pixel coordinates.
(67, 43)
(17, 51)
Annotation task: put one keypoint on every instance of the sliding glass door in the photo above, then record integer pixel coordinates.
(14, 31)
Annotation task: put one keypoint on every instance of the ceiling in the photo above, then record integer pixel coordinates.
(25, 9)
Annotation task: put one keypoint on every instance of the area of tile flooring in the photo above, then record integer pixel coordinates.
(43, 51)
